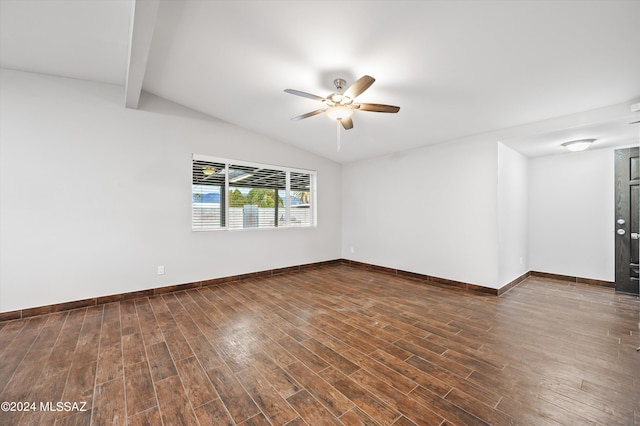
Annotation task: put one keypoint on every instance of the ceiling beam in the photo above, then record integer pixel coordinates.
(143, 22)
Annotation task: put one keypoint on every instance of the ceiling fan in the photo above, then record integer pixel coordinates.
(340, 105)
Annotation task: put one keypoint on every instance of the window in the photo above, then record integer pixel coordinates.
(300, 199)
(229, 194)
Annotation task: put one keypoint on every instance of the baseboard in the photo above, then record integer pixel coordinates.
(430, 279)
(505, 288)
(427, 279)
(101, 300)
(572, 279)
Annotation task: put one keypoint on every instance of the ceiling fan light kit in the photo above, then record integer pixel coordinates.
(339, 112)
(340, 105)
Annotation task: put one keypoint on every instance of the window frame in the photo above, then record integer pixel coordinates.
(224, 210)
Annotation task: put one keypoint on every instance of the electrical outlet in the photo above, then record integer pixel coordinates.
(161, 270)
(352, 250)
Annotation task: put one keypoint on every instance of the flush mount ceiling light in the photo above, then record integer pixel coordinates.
(578, 145)
(340, 105)
(208, 171)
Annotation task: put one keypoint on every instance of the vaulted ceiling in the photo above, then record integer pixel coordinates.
(456, 68)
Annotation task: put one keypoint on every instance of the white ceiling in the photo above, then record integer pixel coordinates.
(456, 68)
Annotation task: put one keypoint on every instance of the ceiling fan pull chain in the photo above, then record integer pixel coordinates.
(338, 133)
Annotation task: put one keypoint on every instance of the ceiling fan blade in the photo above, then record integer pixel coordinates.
(309, 114)
(634, 122)
(359, 86)
(347, 123)
(377, 107)
(305, 95)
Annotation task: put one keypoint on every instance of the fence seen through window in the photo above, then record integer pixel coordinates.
(228, 194)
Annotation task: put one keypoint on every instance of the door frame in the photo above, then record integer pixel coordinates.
(626, 249)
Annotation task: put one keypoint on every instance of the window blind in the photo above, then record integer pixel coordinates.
(230, 194)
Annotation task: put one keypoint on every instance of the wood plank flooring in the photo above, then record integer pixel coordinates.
(335, 345)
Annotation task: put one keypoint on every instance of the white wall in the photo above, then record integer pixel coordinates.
(513, 199)
(480, 212)
(431, 211)
(572, 214)
(94, 196)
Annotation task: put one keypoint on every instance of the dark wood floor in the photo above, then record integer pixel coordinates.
(337, 345)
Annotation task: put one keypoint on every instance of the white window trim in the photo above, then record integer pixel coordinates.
(288, 170)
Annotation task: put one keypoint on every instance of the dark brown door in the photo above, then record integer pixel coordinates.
(627, 221)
